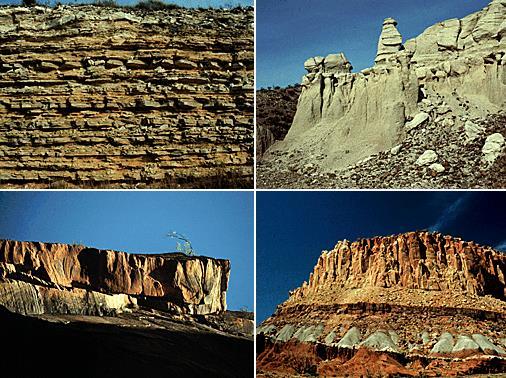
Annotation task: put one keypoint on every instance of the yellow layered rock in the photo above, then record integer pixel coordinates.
(106, 92)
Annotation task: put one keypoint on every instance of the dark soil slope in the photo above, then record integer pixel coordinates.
(126, 347)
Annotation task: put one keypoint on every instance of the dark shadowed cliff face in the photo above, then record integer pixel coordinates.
(68, 310)
(108, 97)
(408, 304)
(141, 344)
(275, 111)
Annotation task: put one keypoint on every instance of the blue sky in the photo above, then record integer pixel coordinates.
(187, 3)
(294, 227)
(290, 31)
(219, 224)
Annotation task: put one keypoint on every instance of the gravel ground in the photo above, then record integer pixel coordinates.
(461, 160)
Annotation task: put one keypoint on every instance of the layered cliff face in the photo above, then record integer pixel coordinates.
(94, 96)
(409, 304)
(165, 312)
(38, 278)
(425, 261)
(430, 94)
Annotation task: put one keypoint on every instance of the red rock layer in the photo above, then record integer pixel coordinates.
(188, 282)
(415, 260)
(293, 358)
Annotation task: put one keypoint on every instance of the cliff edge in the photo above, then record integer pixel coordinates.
(38, 278)
(126, 314)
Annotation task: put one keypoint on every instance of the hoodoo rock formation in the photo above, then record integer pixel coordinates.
(38, 278)
(390, 42)
(412, 304)
(129, 315)
(443, 91)
(118, 97)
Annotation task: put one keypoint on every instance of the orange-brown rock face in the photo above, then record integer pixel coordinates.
(427, 261)
(405, 304)
(38, 277)
(116, 96)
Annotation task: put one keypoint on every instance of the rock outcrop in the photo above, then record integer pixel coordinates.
(460, 164)
(416, 260)
(414, 303)
(319, 66)
(108, 97)
(390, 42)
(39, 278)
(426, 87)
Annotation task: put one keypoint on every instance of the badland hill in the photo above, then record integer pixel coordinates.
(428, 114)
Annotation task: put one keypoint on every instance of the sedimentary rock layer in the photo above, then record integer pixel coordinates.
(404, 304)
(416, 260)
(60, 278)
(116, 96)
(390, 41)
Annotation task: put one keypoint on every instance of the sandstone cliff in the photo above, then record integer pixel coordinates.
(429, 94)
(408, 304)
(38, 278)
(94, 96)
(416, 260)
